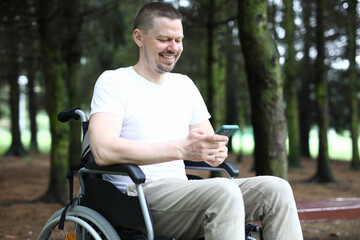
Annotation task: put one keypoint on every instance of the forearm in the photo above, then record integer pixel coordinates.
(122, 150)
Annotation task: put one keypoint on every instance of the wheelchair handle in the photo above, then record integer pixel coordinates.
(72, 113)
(132, 170)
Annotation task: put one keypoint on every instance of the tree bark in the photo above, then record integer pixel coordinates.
(16, 147)
(265, 85)
(231, 82)
(210, 61)
(72, 54)
(354, 115)
(290, 87)
(49, 28)
(33, 106)
(323, 173)
(305, 104)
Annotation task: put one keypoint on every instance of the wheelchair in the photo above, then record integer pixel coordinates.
(101, 211)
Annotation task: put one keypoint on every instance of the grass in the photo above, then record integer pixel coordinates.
(43, 135)
(339, 145)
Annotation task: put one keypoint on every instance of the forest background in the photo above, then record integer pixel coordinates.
(279, 69)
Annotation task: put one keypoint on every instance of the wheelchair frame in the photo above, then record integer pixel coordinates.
(81, 215)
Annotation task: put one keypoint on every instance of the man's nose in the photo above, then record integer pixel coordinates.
(174, 46)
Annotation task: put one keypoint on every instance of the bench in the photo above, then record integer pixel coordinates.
(329, 210)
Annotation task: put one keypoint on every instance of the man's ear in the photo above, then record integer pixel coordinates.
(138, 37)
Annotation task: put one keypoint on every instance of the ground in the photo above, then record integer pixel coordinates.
(27, 179)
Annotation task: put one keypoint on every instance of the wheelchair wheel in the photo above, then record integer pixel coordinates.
(81, 223)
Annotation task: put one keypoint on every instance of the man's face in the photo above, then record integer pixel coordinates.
(162, 45)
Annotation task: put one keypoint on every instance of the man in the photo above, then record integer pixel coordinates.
(147, 116)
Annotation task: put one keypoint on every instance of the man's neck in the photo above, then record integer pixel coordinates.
(154, 77)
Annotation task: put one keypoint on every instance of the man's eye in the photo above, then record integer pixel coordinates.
(162, 40)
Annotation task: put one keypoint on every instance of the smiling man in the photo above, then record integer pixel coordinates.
(160, 47)
(146, 115)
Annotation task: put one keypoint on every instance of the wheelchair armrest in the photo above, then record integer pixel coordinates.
(134, 172)
(226, 166)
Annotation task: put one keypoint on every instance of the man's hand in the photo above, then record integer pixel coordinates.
(200, 146)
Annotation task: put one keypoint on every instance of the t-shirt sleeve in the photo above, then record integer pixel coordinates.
(108, 95)
(200, 112)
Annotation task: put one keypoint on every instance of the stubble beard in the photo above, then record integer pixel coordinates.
(159, 67)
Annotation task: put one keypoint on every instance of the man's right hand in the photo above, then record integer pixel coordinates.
(201, 146)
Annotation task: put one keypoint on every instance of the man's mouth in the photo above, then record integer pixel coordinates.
(169, 56)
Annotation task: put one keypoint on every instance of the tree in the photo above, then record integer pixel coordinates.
(235, 81)
(210, 60)
(323, 173)
(354, 117)
(213, 61)
(33, 106)
(71, 51)
(31, 66)
(12, 20)
(231, 80)
(265, 85)
(307, 80)
(49, 29)
(59, 27)
(290, 87)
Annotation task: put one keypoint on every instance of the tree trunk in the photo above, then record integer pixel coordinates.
(210, 70)
(354, 117)
(231, 80)
(16, 147)
(32, 106)
(305, 103)
(265, 84)
(212, 67)
(236, 88)
(72, 58)
(55, 96)
(290, 87)
(323, 173)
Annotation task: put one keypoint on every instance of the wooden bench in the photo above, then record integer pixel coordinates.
(329, 210)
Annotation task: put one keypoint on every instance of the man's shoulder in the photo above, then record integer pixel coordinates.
(117, 72)
(180, 79)
(115, 76)
(177, 75)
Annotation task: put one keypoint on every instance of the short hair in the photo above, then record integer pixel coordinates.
(146, 14)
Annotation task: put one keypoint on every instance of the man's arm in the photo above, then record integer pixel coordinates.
(108, 148)
(206, 125)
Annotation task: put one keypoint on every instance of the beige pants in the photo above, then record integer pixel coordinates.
(214, 208)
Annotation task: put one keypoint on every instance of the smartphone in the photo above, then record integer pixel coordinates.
(227, 130)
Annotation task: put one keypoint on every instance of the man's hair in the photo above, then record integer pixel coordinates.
(145, 16)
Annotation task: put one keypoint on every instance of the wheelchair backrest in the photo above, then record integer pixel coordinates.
(102, 196)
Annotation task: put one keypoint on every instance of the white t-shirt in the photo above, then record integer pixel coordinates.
(151, 113)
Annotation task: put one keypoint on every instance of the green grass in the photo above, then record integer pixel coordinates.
(339, 145)
(243, 142)
(43, 136)
(5, 140)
